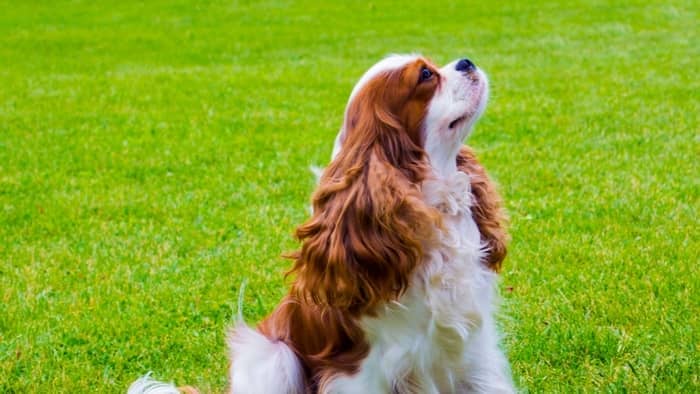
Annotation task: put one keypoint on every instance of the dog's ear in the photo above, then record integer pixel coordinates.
(369, 223)
(488, 209)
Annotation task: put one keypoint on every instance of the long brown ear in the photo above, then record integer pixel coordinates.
(369, 222)
(488, 209)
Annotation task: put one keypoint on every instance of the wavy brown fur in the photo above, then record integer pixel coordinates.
(367, 231)
(488, 209)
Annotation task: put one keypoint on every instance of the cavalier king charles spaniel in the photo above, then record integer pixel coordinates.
(394, 287)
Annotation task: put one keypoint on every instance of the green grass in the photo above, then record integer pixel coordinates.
(154, 156)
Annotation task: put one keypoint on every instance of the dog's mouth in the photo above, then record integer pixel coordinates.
(473, 100)
(457, 121)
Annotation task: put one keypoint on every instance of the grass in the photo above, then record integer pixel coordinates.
(153, 156)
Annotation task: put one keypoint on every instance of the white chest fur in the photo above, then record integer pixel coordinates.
(419, 344)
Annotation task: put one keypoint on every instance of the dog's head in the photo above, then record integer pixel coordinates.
(434, 107)
(405, 122)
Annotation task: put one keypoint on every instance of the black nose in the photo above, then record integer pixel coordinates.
(465, 65)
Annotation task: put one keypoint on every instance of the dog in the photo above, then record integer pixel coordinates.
(394, 286)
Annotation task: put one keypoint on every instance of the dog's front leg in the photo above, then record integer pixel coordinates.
(487, 367)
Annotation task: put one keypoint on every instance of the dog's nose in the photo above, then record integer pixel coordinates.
(465, 65)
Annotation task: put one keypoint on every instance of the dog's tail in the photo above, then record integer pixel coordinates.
(259, 364)
(148, 385)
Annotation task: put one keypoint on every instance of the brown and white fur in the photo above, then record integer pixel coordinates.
(394, 287)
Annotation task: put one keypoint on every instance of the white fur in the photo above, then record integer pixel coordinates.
(459, 96)
(147, 385)
(261, 366)
(440, 337)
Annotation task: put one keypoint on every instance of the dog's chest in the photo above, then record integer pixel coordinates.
(421, 339)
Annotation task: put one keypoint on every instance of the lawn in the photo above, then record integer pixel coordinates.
(153, 156)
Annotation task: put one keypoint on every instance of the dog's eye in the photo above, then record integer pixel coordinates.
(425, 74)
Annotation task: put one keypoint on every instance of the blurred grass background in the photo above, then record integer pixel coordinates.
(153, 155)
